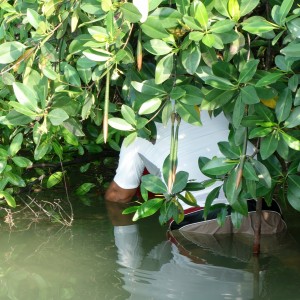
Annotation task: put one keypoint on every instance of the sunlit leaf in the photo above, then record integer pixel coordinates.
(10, 51)
(120, 124)
(84, 188)
(10, 200)
(54, 179)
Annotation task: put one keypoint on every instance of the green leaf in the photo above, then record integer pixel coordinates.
(294, 118)
(213, 194)
(249, 172)
(164, 68)
(190, 58)
(57, 116)
(89, 101)
(130, 210)
(130, 139)
(22, 109)
(229, 151)
(293, 199)
(98, 55)
(167, 17)
(149, 106)
(248, 70)
(128, 114)
(222, 7)
(234, 9)
(293, 193)
(201, 14)
(41, 150)
(182, 5)
(157, 47)
(148, 87)
(148, 208)
(177, 92)
(291, 50)
(269, 79)
(247, 6)
(284, 105)
(232, 191)
(130, 12)
(238, 112)
(21, 161)
(219, 83)
(10, 51)
(10, 200)
(258, 25)
(249, 95)
(72, 75)
(15, 179)
(222, 26)
(269, 145)
(291, 141)
(189, 199)
(33, 18)
(208, 40)
(3, 164)
(218, 166)
(284, 9)
(26, 96)
(15, 144)
(216, 98)
(153, 29)
(188, 113)
(54, 179)
(120, 124)
(154, 184)
(294, 27)
(84, 188)
(181, 179)
(260, 132)
(262, 173)
(192, 95)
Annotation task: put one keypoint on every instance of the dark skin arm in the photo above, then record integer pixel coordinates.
(115, 193)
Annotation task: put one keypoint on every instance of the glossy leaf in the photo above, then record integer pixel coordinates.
(26, 96)
(149, 106)
(120, 124)
(21, 161)
(148, 208)
(10, 52)
(57, 116)
(188, 113)
(131, 12)
(218, 166)
(54, 179)
(284, 105)
(16, 144)
(164, 68)
(157, 47)
(249, 95)
(10, 200)
(248, 70)
(181, 179)
(294, 118)
(291, 141)
(154, 184)
(84, 188)
(213, 194)
(269, 145)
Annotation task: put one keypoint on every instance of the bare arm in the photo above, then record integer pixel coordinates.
(115, 193)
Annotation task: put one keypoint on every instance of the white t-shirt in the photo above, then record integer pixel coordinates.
(194, 141)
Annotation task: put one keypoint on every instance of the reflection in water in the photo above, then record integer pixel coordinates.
(96, 259)
(195, 266)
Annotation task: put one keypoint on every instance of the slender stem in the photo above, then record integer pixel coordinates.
(257, 227)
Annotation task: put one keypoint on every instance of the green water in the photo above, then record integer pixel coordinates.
(43, 261)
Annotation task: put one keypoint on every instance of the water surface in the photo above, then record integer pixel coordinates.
(94, 259)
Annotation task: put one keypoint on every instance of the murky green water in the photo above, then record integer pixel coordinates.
(95, 260)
